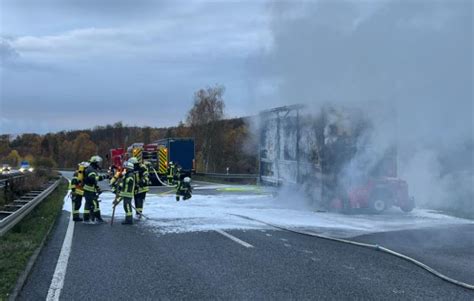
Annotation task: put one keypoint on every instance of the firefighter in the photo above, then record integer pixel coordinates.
(184, 189)
(178, 175)
(77, 190)
(127, 191)
(171, 172)
(142, 184)
(92, 191)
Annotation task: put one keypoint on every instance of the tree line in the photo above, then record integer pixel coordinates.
(220, 143)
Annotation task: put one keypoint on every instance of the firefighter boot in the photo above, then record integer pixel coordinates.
(76, 218)
(86, 216)
(128, 220)
(187, 196)
(98, 218)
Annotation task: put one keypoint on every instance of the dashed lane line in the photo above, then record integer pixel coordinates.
(239, 241)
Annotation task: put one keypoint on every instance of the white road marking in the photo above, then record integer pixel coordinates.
(57, 282)
(243, 243)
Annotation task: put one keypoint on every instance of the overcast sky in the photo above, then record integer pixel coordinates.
(71, 64)
(79, 63)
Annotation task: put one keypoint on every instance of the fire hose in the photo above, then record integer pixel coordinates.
(370, 246)
(159, 180)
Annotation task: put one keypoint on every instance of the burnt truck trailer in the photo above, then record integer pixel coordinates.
(283, 157)
(160, 154)
(312, 153)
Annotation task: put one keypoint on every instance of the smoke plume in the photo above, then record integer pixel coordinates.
(406, 65)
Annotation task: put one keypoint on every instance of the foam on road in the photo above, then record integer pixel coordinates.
(212, 212)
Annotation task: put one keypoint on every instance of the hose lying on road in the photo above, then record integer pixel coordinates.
(159, 180)
(370, 246)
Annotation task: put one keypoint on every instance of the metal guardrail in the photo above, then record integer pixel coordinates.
(23, 206)
(228, 176)
(6, 179)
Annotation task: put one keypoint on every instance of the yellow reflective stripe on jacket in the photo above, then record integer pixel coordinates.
(89, 188)
(128, 187)
(143, 189)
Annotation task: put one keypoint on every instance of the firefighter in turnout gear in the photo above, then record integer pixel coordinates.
(142, 181)
(184, 189)
(92, 191)
(127, 191)
(77, 191)
(171, 173)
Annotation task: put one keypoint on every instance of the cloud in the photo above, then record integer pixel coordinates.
(152, 59)
(163, 41)
(7, 52)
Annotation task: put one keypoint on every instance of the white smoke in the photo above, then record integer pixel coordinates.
(408, 65)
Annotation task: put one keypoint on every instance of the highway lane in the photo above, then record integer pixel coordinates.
(120, 263)
(449, 249)
(145, 262)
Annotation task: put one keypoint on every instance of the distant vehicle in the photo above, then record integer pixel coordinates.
(5, 169)
(180, 151)
(26, 167)
(160, 154)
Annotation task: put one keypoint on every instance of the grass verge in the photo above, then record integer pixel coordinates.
(17, 246)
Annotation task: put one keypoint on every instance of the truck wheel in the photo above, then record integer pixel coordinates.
(380, 201)
(378, 205)
(409, 206)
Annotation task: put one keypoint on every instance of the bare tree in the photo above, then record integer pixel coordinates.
(203, 119)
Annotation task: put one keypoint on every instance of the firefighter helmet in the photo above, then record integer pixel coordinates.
(128, 165)
(84, 163)
(187, 180)
(95, 159)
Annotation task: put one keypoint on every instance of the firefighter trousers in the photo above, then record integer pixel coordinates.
(76, 206)
(183, 191)
(139, 199)
(91, 207)
(127, 206)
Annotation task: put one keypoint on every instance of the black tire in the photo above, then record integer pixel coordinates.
(408, 207)
(379, 202)
(377, 205)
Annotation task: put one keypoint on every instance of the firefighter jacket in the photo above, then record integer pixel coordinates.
(171, 171)
(76, 185)
(142, 180)
(127, 186)
(91, 179)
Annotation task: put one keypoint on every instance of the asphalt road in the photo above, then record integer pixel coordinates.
(138, 263)
(449, 250)
(120, 263)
